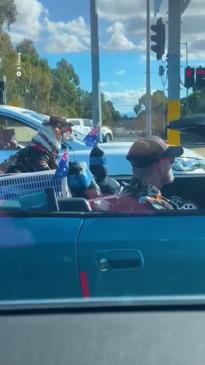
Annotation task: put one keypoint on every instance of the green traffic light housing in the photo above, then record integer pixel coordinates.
(158, 38)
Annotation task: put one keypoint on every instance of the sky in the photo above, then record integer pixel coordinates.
(61, 28)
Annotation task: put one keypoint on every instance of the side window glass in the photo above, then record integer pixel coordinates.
(14, 133)
(75, 122)
(88, 123)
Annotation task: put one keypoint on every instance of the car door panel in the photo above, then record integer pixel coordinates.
(38, 258)
(152, 255)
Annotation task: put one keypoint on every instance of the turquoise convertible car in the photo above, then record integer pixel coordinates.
(71, 251)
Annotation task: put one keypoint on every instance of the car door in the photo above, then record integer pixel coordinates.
(143, 255)
(13, 136)
(38, 257)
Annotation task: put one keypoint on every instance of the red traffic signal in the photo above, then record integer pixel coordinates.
(158, 38)
(189, 80)
(200, 78)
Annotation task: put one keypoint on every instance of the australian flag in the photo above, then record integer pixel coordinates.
(92, 138)
(61, 170)
(61, 173)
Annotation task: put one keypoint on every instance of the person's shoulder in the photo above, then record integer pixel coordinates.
(129, 204)
(158, 202)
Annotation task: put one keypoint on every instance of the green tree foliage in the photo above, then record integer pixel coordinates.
(109, 114)
(65, 93)
(7, 13)
(46, 90)
(28, 51)
(115, 114)
(86, 102)
(35, 83)
(8, 65)
(159, 110)
(194, 103)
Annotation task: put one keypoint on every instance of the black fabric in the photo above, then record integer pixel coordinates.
(108, 185)
(96, 152)
(99, 172)
(74, 205)
(30, 159)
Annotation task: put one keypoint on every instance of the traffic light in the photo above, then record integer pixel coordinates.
(200, 78)
(189, 80)
(158, 38)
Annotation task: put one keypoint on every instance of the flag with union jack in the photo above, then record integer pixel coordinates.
(61, 170)
(92, 138)
(61, 173)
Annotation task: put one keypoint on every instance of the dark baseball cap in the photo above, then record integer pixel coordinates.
(56, 121)
(146, 151)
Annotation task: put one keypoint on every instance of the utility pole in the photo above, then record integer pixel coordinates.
(148, 82)
(96, 97)
(187, 91)
(174, 40)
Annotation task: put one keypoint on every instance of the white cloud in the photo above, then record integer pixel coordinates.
(113, 10)
(118, 40)
(117, 10)
(72, 36)
(32, 19)
(125, 100)
(121, 72)
(133, 15)
(29, 20)
(193, 30)
(61, 43)
(75, 26)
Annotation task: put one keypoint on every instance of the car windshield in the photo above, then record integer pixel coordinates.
(102, 149)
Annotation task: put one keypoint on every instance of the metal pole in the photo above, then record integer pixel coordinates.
(96, 98)
(187, 91)
(174, 67)
(148, 83)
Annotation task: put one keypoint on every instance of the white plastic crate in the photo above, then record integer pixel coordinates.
(23, 184)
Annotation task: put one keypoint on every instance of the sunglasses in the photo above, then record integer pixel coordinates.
(170, 159)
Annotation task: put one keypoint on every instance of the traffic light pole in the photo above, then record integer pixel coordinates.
(148, 83)
(187, 91)
(96, 97)
(174, 40)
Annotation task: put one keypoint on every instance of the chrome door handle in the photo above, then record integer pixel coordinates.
(121, 260)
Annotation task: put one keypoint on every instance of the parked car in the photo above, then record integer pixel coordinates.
(82, 126)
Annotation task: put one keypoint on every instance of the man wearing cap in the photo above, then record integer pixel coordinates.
(40, 154)
(151, 160)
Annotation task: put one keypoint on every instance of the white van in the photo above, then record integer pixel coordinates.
(83, 126)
